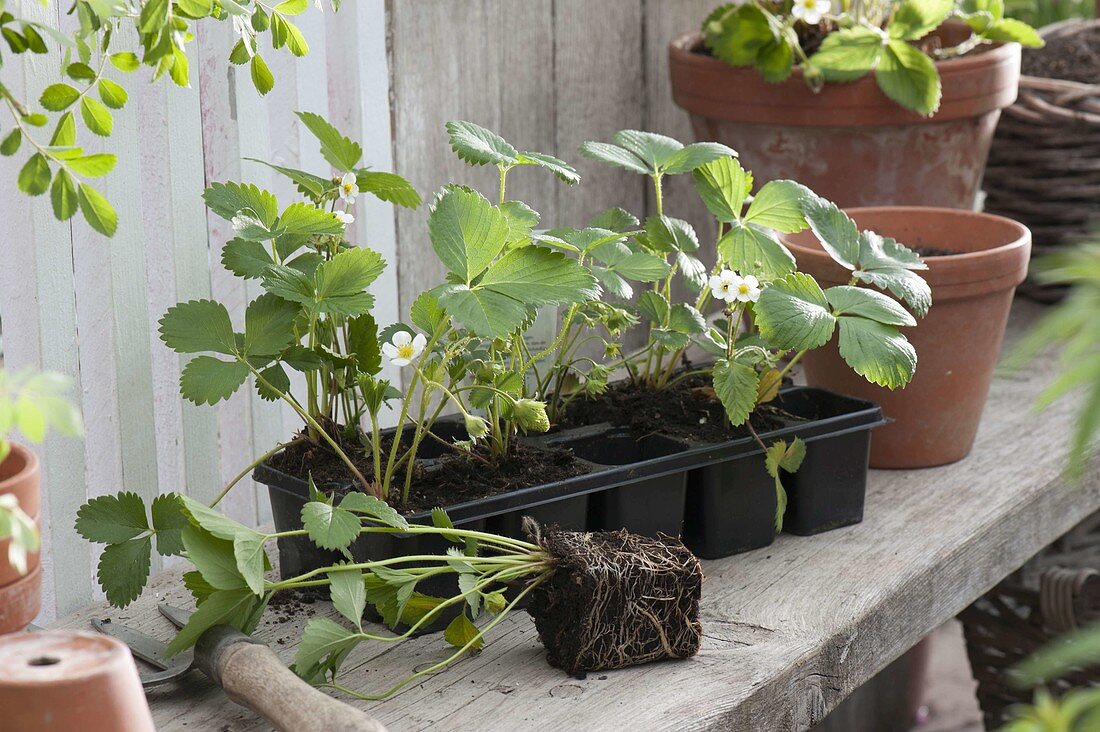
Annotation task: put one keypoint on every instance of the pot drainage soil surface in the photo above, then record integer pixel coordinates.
(687, 409)
(1073, 57)
(616, 599)
(454, 479)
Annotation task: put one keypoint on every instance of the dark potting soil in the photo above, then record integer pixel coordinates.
(936, 252)
(1073, 57)
(456, 478)
(687, 409)
(616, 599)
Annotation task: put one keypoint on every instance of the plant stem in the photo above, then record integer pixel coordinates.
(447, 661)
(278, 448)
(372, 489)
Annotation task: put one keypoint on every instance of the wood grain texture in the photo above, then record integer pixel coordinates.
(599, 79)
(790, 630)
(38, 285)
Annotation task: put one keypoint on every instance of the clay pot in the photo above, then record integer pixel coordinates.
(936, 416)
(20, 601)
(850, 142)
(65, 680)
(20, 597)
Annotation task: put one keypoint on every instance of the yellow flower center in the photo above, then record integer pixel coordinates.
(743, 288)
(347, 187)
(405, 351)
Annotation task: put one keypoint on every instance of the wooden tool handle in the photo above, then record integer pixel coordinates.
(254, 677)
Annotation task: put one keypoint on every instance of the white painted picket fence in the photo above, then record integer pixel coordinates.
(547, 74)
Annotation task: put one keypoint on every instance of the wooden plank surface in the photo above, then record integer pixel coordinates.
(790, 630)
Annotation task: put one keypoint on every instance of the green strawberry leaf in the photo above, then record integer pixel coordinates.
(869, 304)
(736, 387)
(209, 380)
(477, 145)
(909, 77)
(467, 232)
(462, 632)
(778, 206)
(877, 352)
(723, 185)
(123, 570)
(848, 54)
(169, 521)
(793, 314)
(329, 527)
(348, 594)
(112, 519)
(388, 187)
(341, 152)
(749, 249)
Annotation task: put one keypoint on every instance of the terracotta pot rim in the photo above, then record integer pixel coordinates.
(30, 466)
(1003, 266)
(858, 103)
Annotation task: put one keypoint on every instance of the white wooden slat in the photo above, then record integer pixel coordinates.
(129, 288)
(221, 153)
(199, 425)
(255, 139)
(358, 91)
(66, 557)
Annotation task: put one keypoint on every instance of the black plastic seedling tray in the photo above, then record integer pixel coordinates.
(731, 499)
(718, 495)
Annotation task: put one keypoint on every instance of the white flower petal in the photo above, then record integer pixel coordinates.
(399, 361)
(751, 281)
(349, 180)
(401, 338)
(716, 282)
(389, 350)
(345, 218)
(419, 342)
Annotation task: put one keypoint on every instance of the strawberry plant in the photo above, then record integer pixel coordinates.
(771, 314)
(841, 42)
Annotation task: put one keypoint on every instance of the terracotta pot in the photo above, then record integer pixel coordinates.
(20, 597)
(19, 476)
(20, 601)
(850, 142)
(8, 573)
(957, 343)
(65, 680)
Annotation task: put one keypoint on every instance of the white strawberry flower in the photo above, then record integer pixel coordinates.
(344, 217)
(349, 188)
(811, 11)
(747, 290)
(724, 285)
(403, 348)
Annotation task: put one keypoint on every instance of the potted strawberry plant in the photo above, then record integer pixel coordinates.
(868, 103)
(33, 404)
(974, 262)
(771, 317)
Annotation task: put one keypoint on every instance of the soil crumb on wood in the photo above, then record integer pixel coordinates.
(616, 599)
(1073, 57)
(457, 477)
(687, 409)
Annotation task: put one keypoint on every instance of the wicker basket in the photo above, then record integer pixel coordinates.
(1055, 592)
(1044, 165)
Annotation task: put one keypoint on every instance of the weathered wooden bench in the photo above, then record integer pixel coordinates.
(791, 630)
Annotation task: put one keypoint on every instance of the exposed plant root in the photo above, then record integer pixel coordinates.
(616, 599)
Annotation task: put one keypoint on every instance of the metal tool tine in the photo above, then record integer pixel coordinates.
(150, 650)
(177, 615)
(145, 647)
